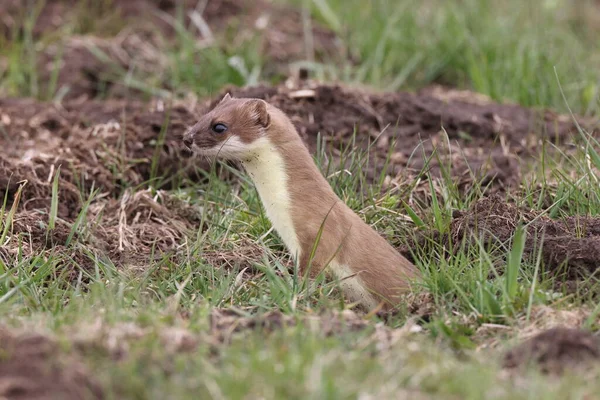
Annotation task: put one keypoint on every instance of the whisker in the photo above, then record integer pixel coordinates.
(220, 148)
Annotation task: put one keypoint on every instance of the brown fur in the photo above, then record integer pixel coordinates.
(345, 236)
(242, 122)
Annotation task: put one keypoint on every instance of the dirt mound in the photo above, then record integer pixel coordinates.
(337, 111)
(72, 250)
(570, 246)
(486, 138)
(32, 367)
(37, 192)
(132, 232)
(556, 349)
(13, 14)
(141, 222)
(111, 147)
(115, 146)
(109, 144)
(34, 224)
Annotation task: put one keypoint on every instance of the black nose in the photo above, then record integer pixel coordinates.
(188, 142)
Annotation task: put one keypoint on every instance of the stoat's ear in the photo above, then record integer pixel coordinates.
(225, 98)
(260, 112)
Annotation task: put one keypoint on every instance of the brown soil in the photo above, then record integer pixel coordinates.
(113, 146)
(570, 247)
(32, 367)
(555, 350)
(109, 143)
(242, 256)
(114, 142)
(486, 139)
(108, 146)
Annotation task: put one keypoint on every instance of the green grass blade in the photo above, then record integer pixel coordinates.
(514, 262)
(54, 201)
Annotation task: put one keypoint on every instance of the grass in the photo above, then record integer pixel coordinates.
(493, 48)
(407, 45)
(37, 290)
(126, 323)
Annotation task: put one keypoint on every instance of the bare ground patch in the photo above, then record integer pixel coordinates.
(33, 367)
(555, 350)
(553, 339)
(110, 147)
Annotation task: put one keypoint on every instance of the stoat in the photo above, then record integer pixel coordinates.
(300, 203)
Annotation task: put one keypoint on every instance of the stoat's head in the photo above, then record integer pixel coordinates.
(231, 129)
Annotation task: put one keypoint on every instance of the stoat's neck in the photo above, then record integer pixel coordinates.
(268, 171)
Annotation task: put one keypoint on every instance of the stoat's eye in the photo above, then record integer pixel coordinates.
(219, 128)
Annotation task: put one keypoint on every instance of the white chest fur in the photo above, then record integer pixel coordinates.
(267, 171)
